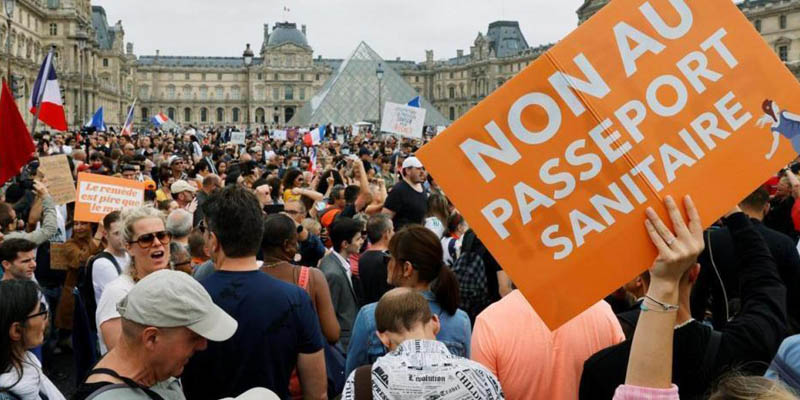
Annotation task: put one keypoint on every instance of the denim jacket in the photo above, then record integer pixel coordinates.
(365, 347)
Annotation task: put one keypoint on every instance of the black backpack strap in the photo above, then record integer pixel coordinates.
(128, 381)
(363, 383)
(108, 256)
(712, 348)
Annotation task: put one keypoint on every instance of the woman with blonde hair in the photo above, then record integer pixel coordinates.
(147, 241)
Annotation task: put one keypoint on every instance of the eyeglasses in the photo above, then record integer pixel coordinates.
(148, 239)
(45, 311)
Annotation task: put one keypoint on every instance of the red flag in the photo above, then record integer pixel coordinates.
(16, 145)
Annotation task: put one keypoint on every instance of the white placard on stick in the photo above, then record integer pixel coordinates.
(237, 138)
(403, 120)
(279, 134)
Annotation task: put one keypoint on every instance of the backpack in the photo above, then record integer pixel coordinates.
(470, 272)
(86, 285)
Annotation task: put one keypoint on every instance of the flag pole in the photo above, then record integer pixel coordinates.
(42, 87)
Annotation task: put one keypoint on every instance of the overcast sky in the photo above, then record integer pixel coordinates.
(335, 27)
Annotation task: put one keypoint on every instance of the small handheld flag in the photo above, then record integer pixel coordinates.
(97, 121)
(159, 119)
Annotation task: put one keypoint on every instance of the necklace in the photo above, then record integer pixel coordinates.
(273, 265)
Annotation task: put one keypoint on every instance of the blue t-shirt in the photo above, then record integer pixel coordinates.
(276, 322)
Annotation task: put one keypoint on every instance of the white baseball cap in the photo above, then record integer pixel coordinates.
(181, 186)
(256, 394)
(412, 162)
(171, 299)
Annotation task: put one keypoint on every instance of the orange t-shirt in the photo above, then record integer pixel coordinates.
(532, 362)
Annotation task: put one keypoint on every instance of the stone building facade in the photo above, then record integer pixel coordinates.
(285, 74)
(457, 84)
(81, 37)
(222, 90)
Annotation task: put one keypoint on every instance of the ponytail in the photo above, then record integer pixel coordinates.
(422, 248)
(445, 288)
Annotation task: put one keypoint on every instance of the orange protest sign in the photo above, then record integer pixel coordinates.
(555, 169)
(98, 195)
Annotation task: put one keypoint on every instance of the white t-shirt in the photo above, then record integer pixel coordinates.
(33, 381)
(435, 225)
(107, 306)
(103, 272)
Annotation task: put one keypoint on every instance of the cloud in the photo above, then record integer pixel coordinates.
(335, 27)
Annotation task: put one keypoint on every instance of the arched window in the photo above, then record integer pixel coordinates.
(220, 114)
(203, 114)
(145, 114)
(235, 114)
(171, 113)
(452, 113)
(187, 114)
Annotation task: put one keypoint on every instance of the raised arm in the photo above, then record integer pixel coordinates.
(651, 349)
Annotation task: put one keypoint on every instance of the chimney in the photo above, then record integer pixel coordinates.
(460, 53)
(429, 56)
(397, 59)
(129, 48)
(303, 28)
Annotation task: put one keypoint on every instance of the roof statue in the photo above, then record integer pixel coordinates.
(351, 94)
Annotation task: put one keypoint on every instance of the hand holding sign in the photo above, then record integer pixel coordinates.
(676, 252)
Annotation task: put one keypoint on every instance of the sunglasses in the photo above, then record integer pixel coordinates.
(146, 241)
(44, 312)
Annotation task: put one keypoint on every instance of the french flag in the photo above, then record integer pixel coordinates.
(127, 129)
(159, 119)
(312, 165)
(314, 137)
(47, 94)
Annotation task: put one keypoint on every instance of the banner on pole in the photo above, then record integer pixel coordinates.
(403, 120)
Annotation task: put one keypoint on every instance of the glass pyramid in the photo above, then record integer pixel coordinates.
(351, 94)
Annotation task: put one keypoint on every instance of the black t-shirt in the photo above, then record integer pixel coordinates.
(779, 217)
(408, 205)
(86, 389)
(373, 274)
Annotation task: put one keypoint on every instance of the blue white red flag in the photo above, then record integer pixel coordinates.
(47, 94)
(159, 119)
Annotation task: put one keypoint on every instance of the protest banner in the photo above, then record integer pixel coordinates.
(59, 178)
(279, 134)
(237, 138)
(98, 195)
(403, 120)
(646, 99)
(58, 257)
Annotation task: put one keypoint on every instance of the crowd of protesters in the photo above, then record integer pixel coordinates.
(279, 268)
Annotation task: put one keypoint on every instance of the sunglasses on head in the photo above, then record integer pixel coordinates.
(146, 241)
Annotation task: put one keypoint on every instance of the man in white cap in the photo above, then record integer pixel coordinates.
(182, 192)
(166, 318)
(407, 202)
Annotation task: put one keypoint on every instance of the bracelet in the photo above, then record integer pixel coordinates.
(664, 307)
